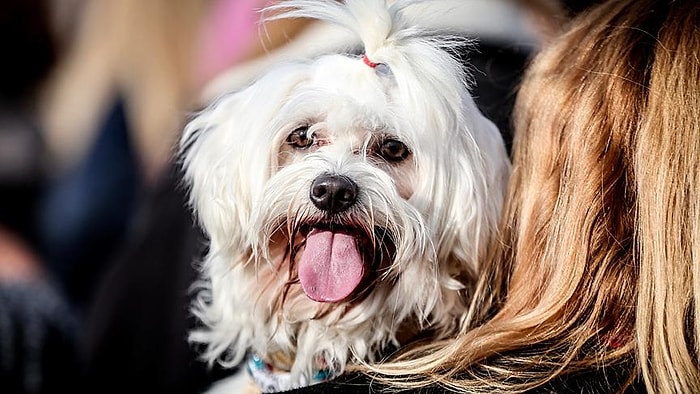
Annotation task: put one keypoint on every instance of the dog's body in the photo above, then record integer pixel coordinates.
(348, 201)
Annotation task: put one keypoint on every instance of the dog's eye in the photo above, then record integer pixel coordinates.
(393, 150)
(300, 138)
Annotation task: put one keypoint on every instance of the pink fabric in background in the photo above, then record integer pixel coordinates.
(227, 33)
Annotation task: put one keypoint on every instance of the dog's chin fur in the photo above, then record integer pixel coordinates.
(422, 222)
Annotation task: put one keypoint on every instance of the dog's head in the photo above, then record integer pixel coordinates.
(357, 192)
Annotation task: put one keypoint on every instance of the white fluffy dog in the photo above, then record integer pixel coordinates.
(347, 199)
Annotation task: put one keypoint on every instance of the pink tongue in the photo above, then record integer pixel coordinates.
(330, 267)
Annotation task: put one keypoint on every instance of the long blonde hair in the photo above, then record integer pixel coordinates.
(599, 256)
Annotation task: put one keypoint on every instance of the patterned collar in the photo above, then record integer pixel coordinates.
(271, 380)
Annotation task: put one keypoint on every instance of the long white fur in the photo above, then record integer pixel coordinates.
(241, 194)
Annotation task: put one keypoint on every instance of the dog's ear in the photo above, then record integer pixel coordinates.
(227, 155)
(466, 199)
(479, 177)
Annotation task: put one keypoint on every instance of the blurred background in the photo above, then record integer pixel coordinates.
(93, 95)
(96, 243)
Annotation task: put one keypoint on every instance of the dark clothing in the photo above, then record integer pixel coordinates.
(84, 215)
(38, 332)
(596, 382)
(137, 336)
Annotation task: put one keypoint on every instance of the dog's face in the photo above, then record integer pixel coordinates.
(336, 202)
(342, 201)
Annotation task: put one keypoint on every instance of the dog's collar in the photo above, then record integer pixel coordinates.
(270, 379)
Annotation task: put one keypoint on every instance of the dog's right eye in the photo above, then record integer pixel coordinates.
(394, 150)
(299, 138)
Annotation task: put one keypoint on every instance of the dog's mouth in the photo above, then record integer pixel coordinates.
(336, 261)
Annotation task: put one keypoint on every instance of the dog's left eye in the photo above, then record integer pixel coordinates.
(394, 150)
(300, 138)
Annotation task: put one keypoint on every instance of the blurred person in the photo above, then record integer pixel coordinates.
(594, 284)
(155, 56)
(106, 113)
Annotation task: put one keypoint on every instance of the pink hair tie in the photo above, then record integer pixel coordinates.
(368, 62)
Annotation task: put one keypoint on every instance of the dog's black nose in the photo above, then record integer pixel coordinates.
(333, 193)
